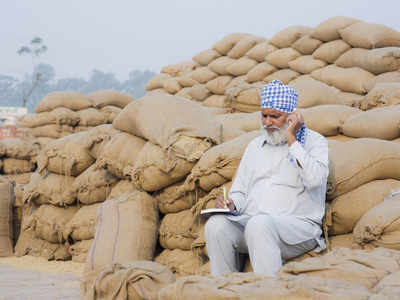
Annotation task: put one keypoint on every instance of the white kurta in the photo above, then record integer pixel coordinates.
(269, 181)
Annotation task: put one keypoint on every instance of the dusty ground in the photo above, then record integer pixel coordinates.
(34, 278)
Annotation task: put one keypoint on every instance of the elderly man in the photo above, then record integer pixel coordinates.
(278, 194)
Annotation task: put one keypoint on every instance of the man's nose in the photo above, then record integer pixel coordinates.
(267, 121)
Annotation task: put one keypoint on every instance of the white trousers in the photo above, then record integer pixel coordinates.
(226, 239)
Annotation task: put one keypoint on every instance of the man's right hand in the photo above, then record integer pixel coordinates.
(221, 203)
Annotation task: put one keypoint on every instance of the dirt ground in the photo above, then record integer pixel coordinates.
(34, 278)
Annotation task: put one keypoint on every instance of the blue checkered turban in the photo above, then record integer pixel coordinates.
(283, 98)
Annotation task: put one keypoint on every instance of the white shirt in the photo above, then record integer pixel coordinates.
(269, 181)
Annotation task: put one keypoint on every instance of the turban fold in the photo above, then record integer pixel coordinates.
(283, 98)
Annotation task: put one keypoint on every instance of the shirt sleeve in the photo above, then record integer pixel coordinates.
(238, 191)
(313, 168)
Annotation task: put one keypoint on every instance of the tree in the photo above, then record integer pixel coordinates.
(34, 49)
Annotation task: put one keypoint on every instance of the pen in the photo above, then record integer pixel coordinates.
(225, 205)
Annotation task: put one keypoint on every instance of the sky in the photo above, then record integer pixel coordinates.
(123, 35)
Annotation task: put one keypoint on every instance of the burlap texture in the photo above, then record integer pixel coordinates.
(329, 52)
(260, 51)
(202, 75)
(7, 199)
(66, 156)
(386, 122)
(109, 97)
(93, 185)
(18, 148)
(80, 250)
(243, 121)
(224, 45)
(383, 94)
(260, 71)
(218, 85)
(328, 30)
(286, 37)
(126, 231)
(380, 226)
(220, 65)
(72, 100)
(119, 153)
(131, 280)
(346, 210)
(241, 66)
(58, 116)
(17, 166)
(82, 226)
(180, 68)
(110, 112)
(306, 64)
(244, 45)
(284, 75)
(360, 161)
(388, 77)
(206, 56)
(281, 57)
(306, 45)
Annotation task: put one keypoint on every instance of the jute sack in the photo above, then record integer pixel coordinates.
(52, 131)
(91, 117)
(17, 166)
(220, 101)
(120, 152)
(178, 230)
(253, 286)
(244, 108)
(219, 84)
(281, 57)
(187, 136)
(361, 267)
(182, 263)
(66, 156)
(386, 122)
(229, 133)
(286, 37)
(170, 200)
(245, 93)
(93, 185)
(351, 99)
(218, 165)
(284, 75)
(59, 116)
(42, 141)
(327, 119)
(243, 121)
(370, 35)
(98, 137)
(156, 169)
(312, 93)
(346, 210)
(202, 75)
(50, 188)
(383, 94)
(7, 198)
(126, 231)
(185, 81)
(244, 45)
(78, 129)
(224, 45)
(220, 65)
(388, 77)
(19, 178)
(205, 57)
(328, 30)
(48, 222)
(131, 280)
(241, 66)
(306, 45)
(110, 112)
(156, 81)
(29, 244)
(72, 100)
(215, 111)
(185, 93)
(360, 161)
(109, 97)
(306, 64)
(380, 226)
(388, 287)
(260, 51)
(331, 51)
(18, 148)
(80, 250)
(122, 187)
(236, 81)
(260, 71)
(345, 79)
(376, 61)
(199, 92)
(171, 85)
(180, 68)
(82, 226)
(304, 77)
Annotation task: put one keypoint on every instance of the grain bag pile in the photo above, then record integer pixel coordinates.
(62, 113)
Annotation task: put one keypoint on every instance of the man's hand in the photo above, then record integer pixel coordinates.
(295, 120)
(228, 203)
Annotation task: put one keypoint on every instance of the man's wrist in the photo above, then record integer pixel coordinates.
(291, 139)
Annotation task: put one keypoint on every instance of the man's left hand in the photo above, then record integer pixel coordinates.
(295, 120)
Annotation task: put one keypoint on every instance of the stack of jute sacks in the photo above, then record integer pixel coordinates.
(62, 113)
(341, 61)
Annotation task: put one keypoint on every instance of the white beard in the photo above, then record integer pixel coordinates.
(276, 137)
